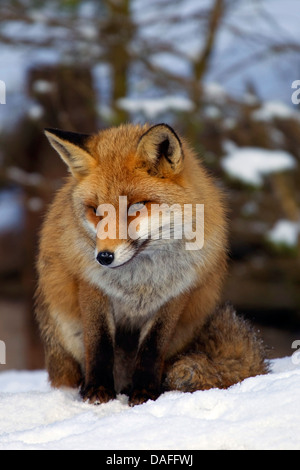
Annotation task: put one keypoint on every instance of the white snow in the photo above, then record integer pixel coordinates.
(35, 112)
(214, 92)
(22, 177)
(250, 164)
(275, 109)
(43, 86)
(212, 112)
(285, 232)
(262, 412)
(155, 106)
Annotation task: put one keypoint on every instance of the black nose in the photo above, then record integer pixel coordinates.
(105, 257)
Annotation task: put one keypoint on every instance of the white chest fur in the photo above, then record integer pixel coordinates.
(139, 288)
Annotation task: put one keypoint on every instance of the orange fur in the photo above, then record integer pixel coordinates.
(162, 291)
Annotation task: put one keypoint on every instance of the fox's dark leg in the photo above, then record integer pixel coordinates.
(146, 380)
(98, 384)
(147, 376)
(226, 352)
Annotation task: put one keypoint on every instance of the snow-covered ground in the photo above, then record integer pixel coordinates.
(260, 413)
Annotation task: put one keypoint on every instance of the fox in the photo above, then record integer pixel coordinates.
(137, 316)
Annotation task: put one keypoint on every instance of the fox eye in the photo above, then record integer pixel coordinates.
(137, 206)
(92, 208)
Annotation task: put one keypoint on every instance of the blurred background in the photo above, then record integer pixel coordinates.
(224, 73)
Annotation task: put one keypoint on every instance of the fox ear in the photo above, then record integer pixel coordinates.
(72, 149)
(160, 147)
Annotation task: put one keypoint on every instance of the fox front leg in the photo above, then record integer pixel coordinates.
(147, 376)
(98, 386)
(146, 381)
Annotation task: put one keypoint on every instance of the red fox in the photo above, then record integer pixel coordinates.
(136, 316)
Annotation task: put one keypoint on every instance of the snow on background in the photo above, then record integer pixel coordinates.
(250, 164)
(285, 232)
(262, 412)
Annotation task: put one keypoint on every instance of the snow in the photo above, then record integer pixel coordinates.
(24, 178)
(275, 109)
(155, 106)
(262, 412)
(212, 112)
(35, 112)
(43, 86)
(285, 232)
(214, 92)
(251, 164)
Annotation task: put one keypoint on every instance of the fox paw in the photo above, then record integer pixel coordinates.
(137, 397)
(97, 395)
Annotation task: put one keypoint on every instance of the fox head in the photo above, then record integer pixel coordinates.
(121, 179)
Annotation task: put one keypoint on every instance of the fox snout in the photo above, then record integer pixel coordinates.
(113, 255)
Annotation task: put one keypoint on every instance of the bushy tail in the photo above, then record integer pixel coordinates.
(227, 351)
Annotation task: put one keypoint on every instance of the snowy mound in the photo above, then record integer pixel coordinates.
(260, 413)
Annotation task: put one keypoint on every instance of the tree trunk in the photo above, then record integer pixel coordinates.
(119, 32)
(202, 63)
